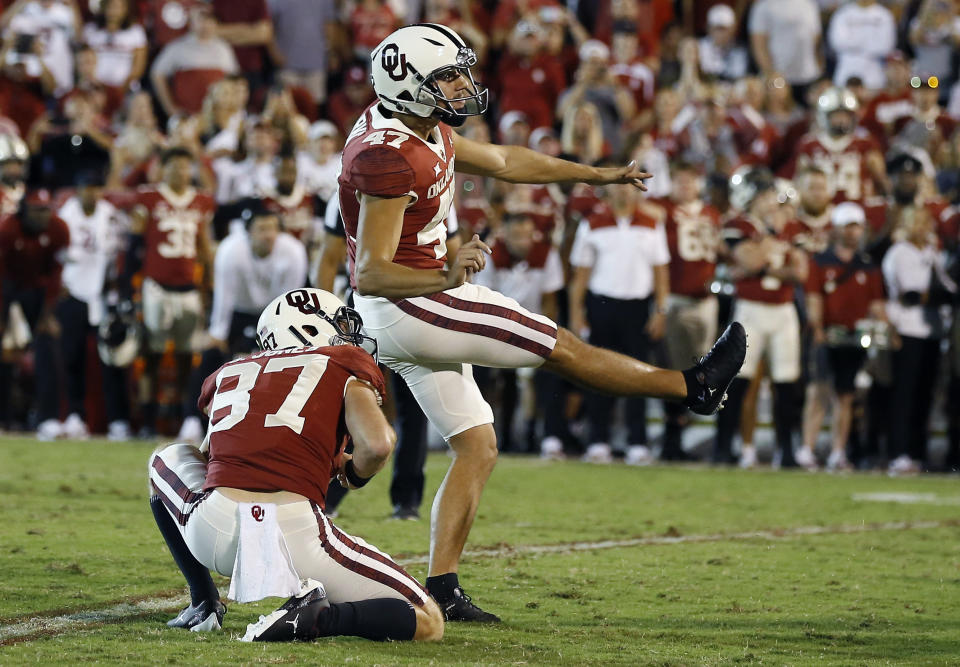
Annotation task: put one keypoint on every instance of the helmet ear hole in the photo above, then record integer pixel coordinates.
(310, 330)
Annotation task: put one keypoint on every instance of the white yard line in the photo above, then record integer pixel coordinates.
(45, 626)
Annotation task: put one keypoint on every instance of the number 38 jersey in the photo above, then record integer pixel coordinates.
(384, 158)
(693, 235)
(276, 417)
(174, 223)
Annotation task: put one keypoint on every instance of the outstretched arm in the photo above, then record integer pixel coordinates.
(516, 164)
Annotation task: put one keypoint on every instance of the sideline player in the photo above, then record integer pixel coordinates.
(279, 421)
(431, 324)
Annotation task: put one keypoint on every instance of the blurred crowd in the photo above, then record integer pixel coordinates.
(167, 167)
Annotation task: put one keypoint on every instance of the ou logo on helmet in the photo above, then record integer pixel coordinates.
(304, 301)
(394, 62)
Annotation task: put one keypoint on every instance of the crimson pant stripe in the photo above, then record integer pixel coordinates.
(170, 477)
(364, 570)
(484, 330)
(180, 517)
(493, 309)
(376, 555)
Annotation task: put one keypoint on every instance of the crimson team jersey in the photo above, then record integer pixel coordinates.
(765, 289)
(297, 212)
(847, 288)
(384, 158)
(276, 417)
(174, 223)
(34, 260)
(693, 234)
(844, 160)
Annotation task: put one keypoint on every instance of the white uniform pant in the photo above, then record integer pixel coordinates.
(773, 331)
(433, 341)
(691, 328)
(348, 567)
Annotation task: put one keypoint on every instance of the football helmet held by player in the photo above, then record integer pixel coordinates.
(311, 317)
(118, 336)
(748, 182)
(406, 66)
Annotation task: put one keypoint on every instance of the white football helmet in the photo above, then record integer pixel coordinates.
(311, 317)
(118, 336)
(837, 99)
(406, 65)
(746, 183)
(13, 148)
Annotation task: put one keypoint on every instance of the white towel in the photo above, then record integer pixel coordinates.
(263, 567)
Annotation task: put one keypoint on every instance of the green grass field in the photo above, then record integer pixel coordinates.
(586, 564)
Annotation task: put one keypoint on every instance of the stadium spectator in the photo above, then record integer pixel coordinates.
(170, 241)
(46, 28)
(221, 121)
(166, 20)
(120, 44)
(252, 176)
(303, 32)
(65, 144)
(918, 290)
(370, 23)
(934, 37)
(891, 104)
(186, 67)
(320, 162)
(296, 207)
(514, 129)
(594, 83)
(32, 243)
(246, 25)
(97, 230)
(619, 294)
(582, 133)
(345, 105)
(693, 239)
(929, 127)
(708, 138)
(26, 83)
(530, 81)
(138, 140)
(842, 289)
(862, 34)
(634, 73)
(767, 267)
(720, 54)
(785, 37)
(281, 113)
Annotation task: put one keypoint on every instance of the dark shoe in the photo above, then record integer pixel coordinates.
(676, 455)
(295, 619)
(459, 607)
(405, 513)
(716, 370)
(205, 617)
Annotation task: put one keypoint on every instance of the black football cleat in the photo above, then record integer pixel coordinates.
(459, 607)
(714, 372)
(204, 617)
(295, 619)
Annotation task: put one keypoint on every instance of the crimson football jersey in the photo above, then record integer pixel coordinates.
(847, 288)
(384, 158)
(693, 234)
(765, 289)
(174, 223)
(844, 160)
(276, 417)
(33, 260)
(297, 212)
